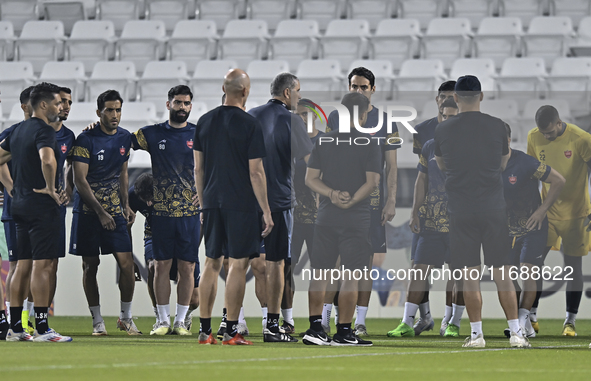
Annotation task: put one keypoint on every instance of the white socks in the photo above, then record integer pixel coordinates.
(570, 318)
(326, 311)
(361, 314)
(336, 315)
(181, 313)
(410, 310)
(476, 329)
(514, 327)
(457, 312)
(125, 310)
(523, 317)
(95, 311)
(241, 316)
(448, 314)
(8, 312)
(163, 313)
(287, 315)
(533, 314)
(30, 308)
(155, 312)
(425, 311)
(264, 311)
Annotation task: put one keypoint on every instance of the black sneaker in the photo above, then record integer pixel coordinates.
(221, 331)
(507, 333)
(4, 332)
(270, 337)
(350, 340)
(316, 338)
(287, 328)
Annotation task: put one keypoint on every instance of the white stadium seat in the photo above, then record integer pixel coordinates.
(18, 12)
(140, 159)
(508, 111)
(345, 40)
(384, 74)
(575, 9)
(41, 41)
(158, 78)
(220, 11)
(244, 41)
(81, 115)
(418, 79)
(447, 39)
(548, 37)
(422, 10)
(14, 77)
(91, 42)
(294, 41)
(323, 11)
(581, 46)
(197, 110)
(373, 11)
(141, 41)
(118, 11)
(498, 38)
(527, 119)
(208, 79)
(118, 75)
(320, 76)
(524, 9)
(193, 41)
(261, 74)
(483, 68)
(521, 79)
(271, 11)
(66, 11)
(69, 74)
(7, 39)
(169, 11)
(473, 10)
(570, 79)
(135, 115)
(16, 115)
(396, 40)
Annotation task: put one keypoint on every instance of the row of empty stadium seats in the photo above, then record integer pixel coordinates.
(293, 41)
(273, 11)
(520, 79)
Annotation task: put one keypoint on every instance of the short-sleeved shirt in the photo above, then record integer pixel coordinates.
(521, 179)
(171, 152)
(24, 144)
(305, 210)
(425, 132)
(343, 167)
(6, 210)
(433, 212)
(286, 140)
(137, 205)
(104, 154)
(228, 137)
(568, 155)
(382, 137)
(472, 145)
(65, 141)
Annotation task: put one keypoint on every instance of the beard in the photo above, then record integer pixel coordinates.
(175, 117)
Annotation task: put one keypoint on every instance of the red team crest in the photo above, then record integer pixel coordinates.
(512, 179)
(190, 144)
(122, 151)
(64, 148)
(568, 154)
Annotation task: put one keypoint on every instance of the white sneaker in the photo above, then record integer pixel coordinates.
(99, 329)
(21, 336)
(442, 329)
(519, 341)
(51, 337)
(243, 328)
(128, 326)
(360, 330)
(423, 325)
(326, 329)
(189, 321)
(478, 342)
(528, 330)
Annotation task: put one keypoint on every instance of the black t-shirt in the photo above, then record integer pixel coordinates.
(24, 144)
(228, 138)
(343, 167)
(471, 145)
(286, 141)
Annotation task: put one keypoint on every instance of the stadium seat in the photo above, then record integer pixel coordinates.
(244, 41)
(345, 40)
(473, 10)
(396, 40)
(142, 41)
(581, 46)
(320, 78)
(16, 115)
(483, 68)
(91, 42)
(505, 109)
(570, 79)
(118, 11)
(6, 40)
(271, 11)
(14, 77)
(261, 74)
(526, 10)
(323, 11)
(40, 41)
(208, 79)
(140, 159)
(169, 11)
(135, 115)
(418, 79)
(220, 11)
(373, 11)
(66, 11)
(18, 12)
(548, 37)
(69, 74)
(294, 41)
(193, 41)
(81, 115)
(384, 74)
(521, 79)
(422, 10)
(498, 38)
(158, 78)
(575, 9)
(118, 75)
(447, 39)
(197, 111)
(527, 118)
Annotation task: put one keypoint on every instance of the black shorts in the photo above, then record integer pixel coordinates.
(377, 232)
(38, 235)
(530, 248)
(62, 241)
(10, 234)
(432, 249)
(237, 231)
(89, 238)
(469, 232)
(351, 244)
(413, 246)
(301, 233)
(278, 242)
(176, 237)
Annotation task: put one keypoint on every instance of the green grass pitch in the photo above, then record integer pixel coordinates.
(427, 357)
